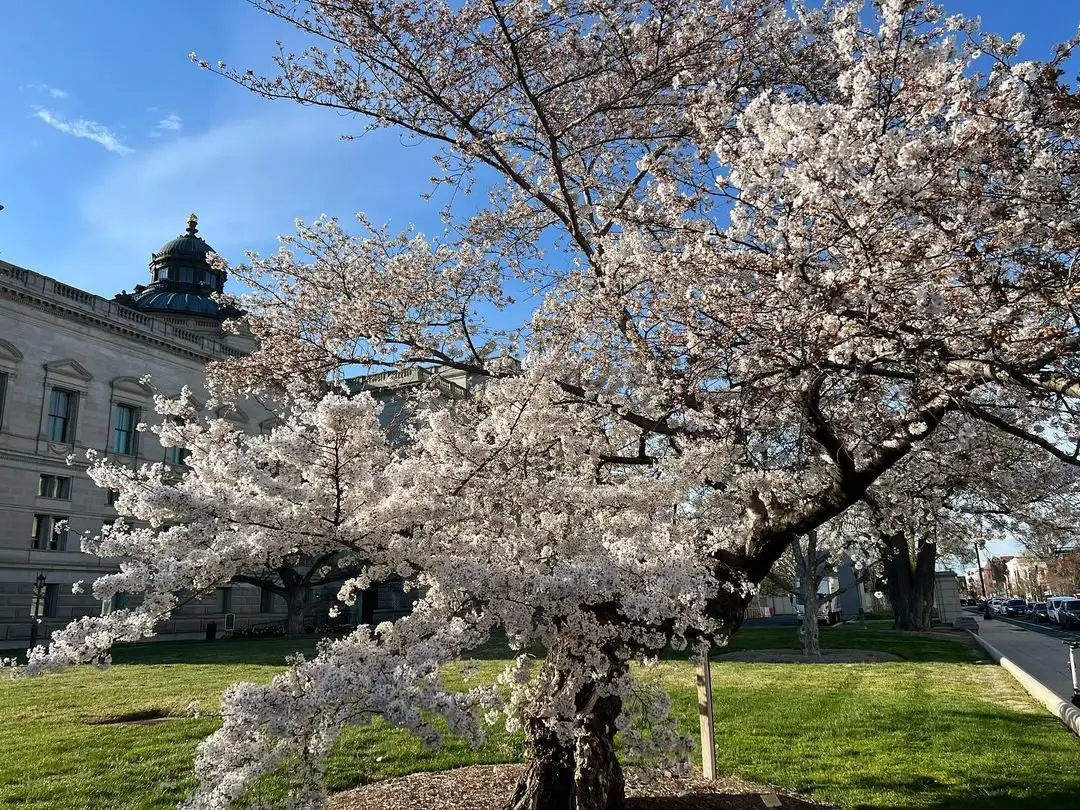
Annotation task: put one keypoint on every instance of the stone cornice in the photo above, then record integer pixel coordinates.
(48, 294)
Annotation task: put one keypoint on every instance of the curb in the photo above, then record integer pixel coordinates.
(1063, 711)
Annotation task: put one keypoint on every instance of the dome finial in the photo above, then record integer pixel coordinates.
(192, 224)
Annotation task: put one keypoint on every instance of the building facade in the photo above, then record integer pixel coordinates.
(1026, 576)
(72, 369)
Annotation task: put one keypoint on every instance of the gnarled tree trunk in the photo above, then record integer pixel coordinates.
(582, 773)
(911, 587)
(579, 774)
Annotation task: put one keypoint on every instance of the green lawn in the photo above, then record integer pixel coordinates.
(936, 730)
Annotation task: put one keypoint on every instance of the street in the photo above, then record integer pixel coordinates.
(1036, 648)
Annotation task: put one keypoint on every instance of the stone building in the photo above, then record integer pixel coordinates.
(71, 378)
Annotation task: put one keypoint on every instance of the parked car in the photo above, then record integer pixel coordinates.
(1053, 604)
(1014, 607)
(1069, 613)
(1036, 612)
(994, 605)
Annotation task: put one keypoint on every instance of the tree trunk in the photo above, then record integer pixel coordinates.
(911, 588)
(294, 606)
(582, 773)
(811, 633)
(808, 568)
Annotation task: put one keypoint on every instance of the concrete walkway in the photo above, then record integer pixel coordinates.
(1042, 656)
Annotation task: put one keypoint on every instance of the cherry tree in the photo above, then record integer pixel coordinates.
(774, 250)
(313, 484)
(295, 579)
(810, 559)
(968, 482)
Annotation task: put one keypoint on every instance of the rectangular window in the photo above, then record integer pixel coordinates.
(125, 418)
(266, 601)
(49, 532)
(54, 486)
(110, 496)
(52, 596)
(176, 455)
(61, 425)
(226, 600)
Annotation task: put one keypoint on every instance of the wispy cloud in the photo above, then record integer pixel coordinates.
(82, 128)
(170, 123)
(247, 178)
(52, 92)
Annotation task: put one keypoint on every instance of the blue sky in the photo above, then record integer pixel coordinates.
(110, 135)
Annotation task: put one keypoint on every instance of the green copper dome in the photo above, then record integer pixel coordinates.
(182, 280)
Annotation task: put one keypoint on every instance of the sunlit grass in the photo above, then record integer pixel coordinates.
(936, 730)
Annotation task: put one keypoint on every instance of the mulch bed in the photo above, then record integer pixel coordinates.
(486, 787)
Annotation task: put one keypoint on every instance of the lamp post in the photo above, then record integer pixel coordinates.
(35, 608)
(978, 563)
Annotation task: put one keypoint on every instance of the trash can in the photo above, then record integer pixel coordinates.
(211, 631)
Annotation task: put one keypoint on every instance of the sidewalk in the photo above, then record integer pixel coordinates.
(1038, 661)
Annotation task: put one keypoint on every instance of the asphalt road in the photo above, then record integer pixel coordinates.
(1039, 649)
(1046, 628)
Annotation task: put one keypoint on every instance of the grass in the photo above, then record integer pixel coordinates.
(909, 646)
(935, 731)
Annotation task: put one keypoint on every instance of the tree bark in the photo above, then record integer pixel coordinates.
(811, 632)
(808, 568)
(582, 773)
(810, 572)
(911, 587)
(294, 607)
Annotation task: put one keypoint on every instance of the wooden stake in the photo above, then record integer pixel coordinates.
(705, 714)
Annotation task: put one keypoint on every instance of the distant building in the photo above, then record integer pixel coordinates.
(861, 595)
(973, 584)
(71, 369)
(1026, 576)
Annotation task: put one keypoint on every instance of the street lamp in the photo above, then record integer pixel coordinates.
(35, 608)
(978, 564)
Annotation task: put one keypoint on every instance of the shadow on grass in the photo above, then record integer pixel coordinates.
(263, 651)
(908, 646)
(274, 651)
(254, 651)
(993, 796)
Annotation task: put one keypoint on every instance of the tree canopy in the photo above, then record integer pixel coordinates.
(776, 249)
